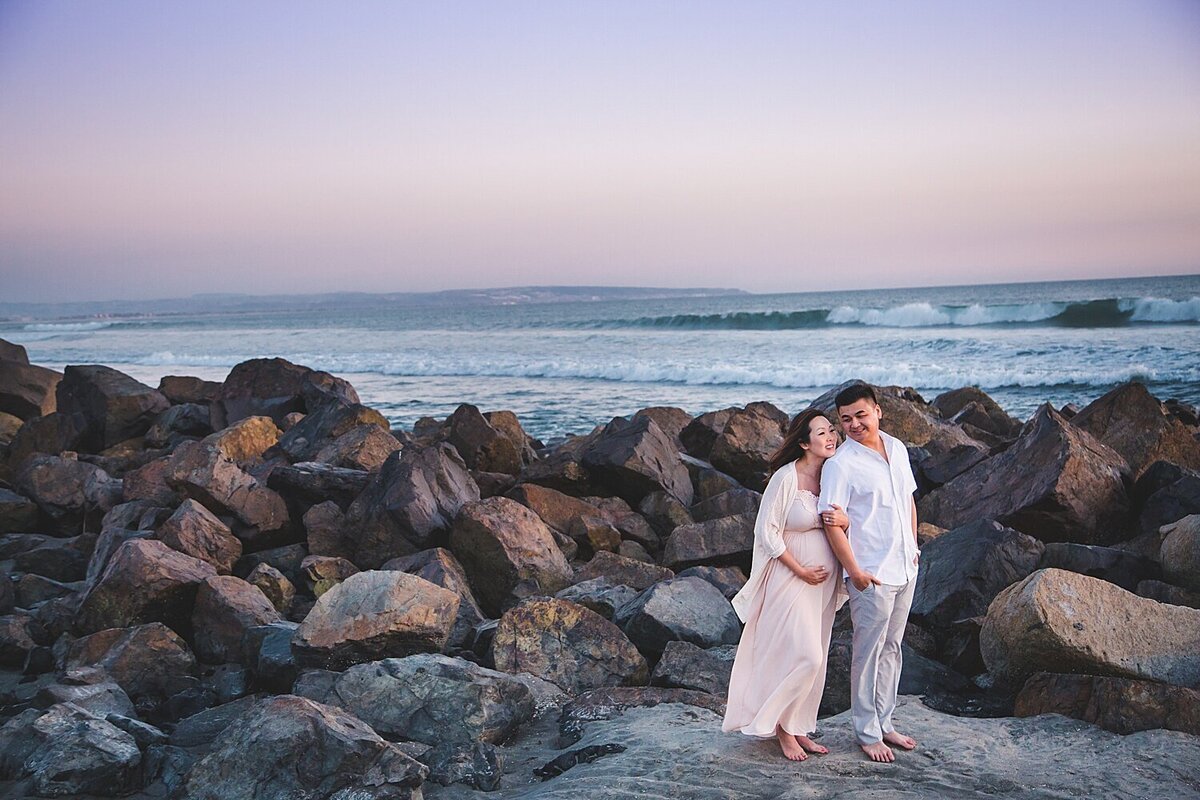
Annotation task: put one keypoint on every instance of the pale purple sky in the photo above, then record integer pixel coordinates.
(152, 149)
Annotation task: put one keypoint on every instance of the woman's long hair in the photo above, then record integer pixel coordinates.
(797, 433)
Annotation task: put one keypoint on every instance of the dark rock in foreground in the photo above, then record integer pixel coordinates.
(1120, 705)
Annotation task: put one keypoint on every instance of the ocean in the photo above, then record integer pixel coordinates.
(564, 367)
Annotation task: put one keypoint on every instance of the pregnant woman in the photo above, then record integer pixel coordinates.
(789, 602)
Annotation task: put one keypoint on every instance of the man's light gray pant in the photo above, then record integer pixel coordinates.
(879, 614)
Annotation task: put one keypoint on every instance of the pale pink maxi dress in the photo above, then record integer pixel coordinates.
(779, 672)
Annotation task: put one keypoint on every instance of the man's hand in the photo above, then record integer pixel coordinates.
(862, 580)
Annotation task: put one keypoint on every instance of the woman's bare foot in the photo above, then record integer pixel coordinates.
(878, 751)
(898, 739)
(810, 746)
(791, 748)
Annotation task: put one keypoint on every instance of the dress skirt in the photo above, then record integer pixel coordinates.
(779, 671)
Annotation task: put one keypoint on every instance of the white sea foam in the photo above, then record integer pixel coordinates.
(1153, 309)
(67, 327)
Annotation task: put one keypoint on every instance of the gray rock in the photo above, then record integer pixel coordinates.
(636, 458)
(600, 595)
(1180, 554)
(688, 609)
(115, 406)
(202, 728)
(734, 501)
(685, 666)
(427, 698)
(478, 765)
(1124, 569)
(226, 607)
(720, 541)
(729, 580)
(150, 662)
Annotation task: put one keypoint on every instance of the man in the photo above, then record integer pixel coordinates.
(871, 479)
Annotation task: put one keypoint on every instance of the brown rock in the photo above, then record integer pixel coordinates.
(1135, 424)
(246, 440)
(150, 662)
(556, 509)
(562, 468)
(27, 391)
(145, 581)
(508, 553)
(441, 568)
(364, 447)
(323, 523)
(16, 353)
(594, 534)
(202, 472)
(664, 513)
(1057, 621)
(226, 608)
(1166, 593)
(186, 389)
(1056, 482)
(60, 487)
(986, 413)
(311, 482)
(9, 425)
(672, 421)
(507, 423)
(1120, 705)
(322, 573)
(1180, 554)
(178, 423)
(115, 406)
(721, 541)
(745, 446)
(61, 559)
(274, 585)
(274, 387)
(324, 425)
(374, 615)
(149, 482)
(622, 571)
(482, 446)
(567, 644)
(699, 435)
(196, 531)
(636, 458)
(409, 503)
(927, 532)
(16, 638)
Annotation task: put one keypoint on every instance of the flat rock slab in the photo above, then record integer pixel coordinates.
(678, 751)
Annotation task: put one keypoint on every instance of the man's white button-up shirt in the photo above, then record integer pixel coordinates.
(877, 496)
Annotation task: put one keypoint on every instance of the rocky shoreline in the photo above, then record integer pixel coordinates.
(256, 589)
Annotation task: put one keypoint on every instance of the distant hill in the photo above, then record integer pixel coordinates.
(210, 302)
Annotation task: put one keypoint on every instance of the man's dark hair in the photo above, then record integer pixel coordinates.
(853, 393)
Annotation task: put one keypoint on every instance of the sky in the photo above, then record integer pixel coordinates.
(152, 149)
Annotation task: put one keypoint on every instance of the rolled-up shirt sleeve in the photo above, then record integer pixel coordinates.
(768, 525)
(835, 486)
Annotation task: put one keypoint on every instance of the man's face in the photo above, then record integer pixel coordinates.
(860, 420)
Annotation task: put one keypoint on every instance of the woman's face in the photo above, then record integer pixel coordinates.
(822, 438)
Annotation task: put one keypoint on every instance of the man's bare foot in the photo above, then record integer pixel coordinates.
(878, 751)
(897, 739)
(791, 748)
(811, 746)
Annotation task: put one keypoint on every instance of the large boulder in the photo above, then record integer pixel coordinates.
(698, 436)
(1120, 705)
(1180, 553)
(27, 391)
(1133, 422)
(274, 387)
(566, 644)
(290, 747)
(734, 501)
(672, 420)
(115, 406)
(17, 512)
(196, 531)
(634, 458)
(1056, 483)
(60, 559)
(428, 698)
(65, 490)
(144, 581)
(69, 751)
(685, 666)
(150, 662)
(311, 483)
(721, 541)
(409, 504)
(1057, 621)
(440, 567)
(561, 467)
(1174, 501)
(600, 595)
(744, 447)
(202, 472)
(687, 609)
(375, 614)
(556, 509)
(482, 446)
(177, 423)
(324, 426)
(963, 570)
(507, 552)
(181, 389)
(226, 608)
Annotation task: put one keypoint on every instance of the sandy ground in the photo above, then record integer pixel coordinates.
(676, 752)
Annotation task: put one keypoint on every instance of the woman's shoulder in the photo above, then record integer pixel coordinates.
(785, 473)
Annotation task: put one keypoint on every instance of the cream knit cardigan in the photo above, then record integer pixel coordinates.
(777, 499)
